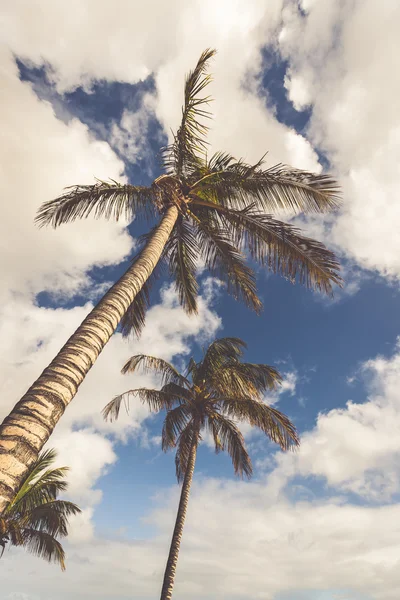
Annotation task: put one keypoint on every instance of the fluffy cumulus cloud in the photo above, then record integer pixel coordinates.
(277, 537)
(341, 65)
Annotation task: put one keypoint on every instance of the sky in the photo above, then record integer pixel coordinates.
(92, 89)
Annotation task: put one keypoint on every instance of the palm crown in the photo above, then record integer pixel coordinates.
(214, 394)
(225, 208)
(35, 518)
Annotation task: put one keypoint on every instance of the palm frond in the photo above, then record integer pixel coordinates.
(108, 199)
(41, 484)
(271, 421)
(44, 545)
(52, 517)
(226, 262)
(237, 184)
(175, 422)
(239, 379)
(231, 439)
(156, 400)
(282, 248)
(178, 392)
(219, 353)
(158, 366)
(183, 449)
(182, 252)
(189, 140)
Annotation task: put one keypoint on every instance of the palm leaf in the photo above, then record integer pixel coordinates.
(226, 262)
(282, 248)
(52, 517)
(44, 545)
(219, 353)
(180, 156)
(111, 200)
(244, 379)
(271, 421)
(236, 185)
(182, 252)
(158, 366)
(175, 422)
(156, 400)
(231, 439)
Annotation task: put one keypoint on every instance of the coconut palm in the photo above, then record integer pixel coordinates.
(214, 208)
(212, 396)
(35, 518)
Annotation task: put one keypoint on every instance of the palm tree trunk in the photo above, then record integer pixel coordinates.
(27, 428)
(169, 575)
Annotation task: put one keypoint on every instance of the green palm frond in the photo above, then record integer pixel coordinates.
(244, 379)
(179, 392)
(183, 448)
(282, 248)
(182, 251)
(175, 422)
(237, 184)
(108, 199)
(189, 141)
(158, 366)
(231, 439)
(271, 421)
(35, 517)
(41, 484)
(44, 545)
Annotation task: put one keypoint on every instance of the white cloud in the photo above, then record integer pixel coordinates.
(341, 62)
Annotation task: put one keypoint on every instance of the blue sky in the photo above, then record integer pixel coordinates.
(289, 79)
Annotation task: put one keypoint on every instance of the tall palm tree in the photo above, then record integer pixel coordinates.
(35, 518)
(212, 395)
(214, 208)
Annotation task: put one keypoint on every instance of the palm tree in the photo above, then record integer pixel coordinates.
(34, 518)
(214, 394)
(215, 208)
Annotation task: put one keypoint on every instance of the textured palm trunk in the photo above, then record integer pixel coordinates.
(27, 428)
(170, 569)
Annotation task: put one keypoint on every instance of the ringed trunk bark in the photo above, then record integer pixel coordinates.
(27, 428)
(170, 569)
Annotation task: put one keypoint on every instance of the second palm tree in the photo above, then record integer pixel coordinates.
(213, 395)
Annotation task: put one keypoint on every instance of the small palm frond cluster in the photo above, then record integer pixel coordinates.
(225, 213)
(212, 396)
(36, 518)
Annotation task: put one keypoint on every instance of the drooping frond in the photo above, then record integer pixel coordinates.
(52, 517)
(44, 545)
(156, 400)
(189, 140)
(225, 261)
(108, 199)
(231, 439)
(182, 251)
(280, 188)
(282, 248)
(271, 421)
(175, 422)
(183, 448)
(41, 485)
(218, 354)
(160, 367)
(239, 379)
